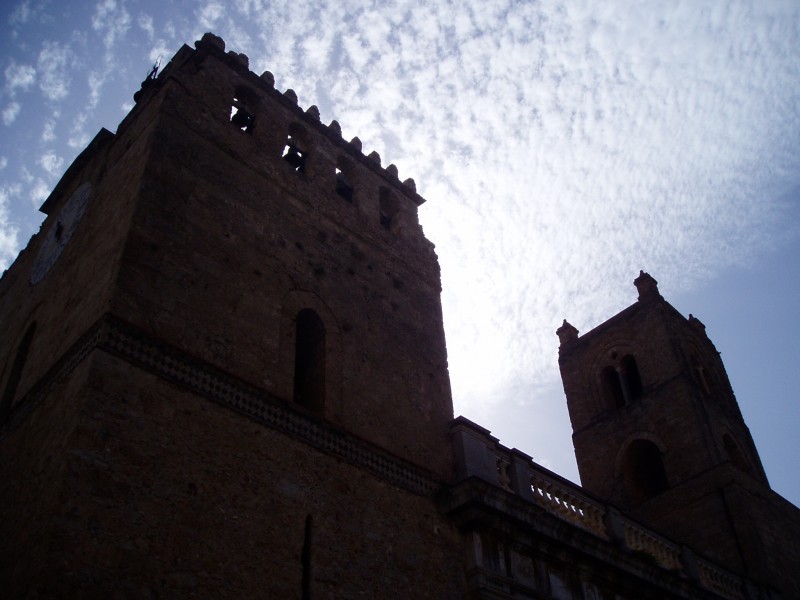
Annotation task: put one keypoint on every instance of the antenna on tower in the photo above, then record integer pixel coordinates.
(154, 71)
(149, 80)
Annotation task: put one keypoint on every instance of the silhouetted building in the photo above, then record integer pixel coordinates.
(224, 374)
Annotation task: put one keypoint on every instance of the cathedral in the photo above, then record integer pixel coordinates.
(224, 375)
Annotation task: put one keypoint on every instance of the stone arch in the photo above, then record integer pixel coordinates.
(309, 332)
(640, 466)
(617, 378)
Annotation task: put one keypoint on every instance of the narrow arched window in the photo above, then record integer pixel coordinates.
(612, 388)
(14, 376)
(644, 471)
(309, 361)
(632, 382)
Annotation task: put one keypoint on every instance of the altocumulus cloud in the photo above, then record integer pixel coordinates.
(53, 66)
(563, 146)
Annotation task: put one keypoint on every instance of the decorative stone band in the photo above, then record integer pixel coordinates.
(479, 454)
(132, 345)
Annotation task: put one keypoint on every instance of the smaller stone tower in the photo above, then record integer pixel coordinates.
(658, 432)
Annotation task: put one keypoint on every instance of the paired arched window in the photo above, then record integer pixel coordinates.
(309, 361)
(643, 470)
(621, 382)
(14, 376)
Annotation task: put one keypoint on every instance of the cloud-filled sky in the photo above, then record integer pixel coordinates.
(562, 147)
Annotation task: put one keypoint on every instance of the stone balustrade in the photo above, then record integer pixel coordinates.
(567, 503)
(664, 552)
(720, 581)
(479, 454)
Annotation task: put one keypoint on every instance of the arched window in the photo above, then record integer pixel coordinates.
(643, 470)
(309, 361)
(243, 109)
(621, 382)
(612, 388)
(14, 376)
(632, 382)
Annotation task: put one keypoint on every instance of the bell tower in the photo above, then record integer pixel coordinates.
(656, 427)
(229, 329)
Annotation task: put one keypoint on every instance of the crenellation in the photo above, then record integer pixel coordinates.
(240, 58)
(211, 39)
(313, 112)
(268, 78)
(290, 95)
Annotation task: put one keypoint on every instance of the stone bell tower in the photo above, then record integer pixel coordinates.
(224, 353)
(657, 431)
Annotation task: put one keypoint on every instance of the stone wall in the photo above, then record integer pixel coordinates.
(155, 491)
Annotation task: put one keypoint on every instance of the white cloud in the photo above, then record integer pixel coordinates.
(210, 14)
(53, 65)
(78, 137)
(112, 20)
(145, 22)
(10, 113)
(21, 13)
(52, 163)
(49, 131)
(39, 193)
(95, 81)
(3, 162)
(9, 242)
(19, 77)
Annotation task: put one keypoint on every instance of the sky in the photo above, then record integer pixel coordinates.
(562, 146)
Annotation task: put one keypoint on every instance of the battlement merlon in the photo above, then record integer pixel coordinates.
(213, 45)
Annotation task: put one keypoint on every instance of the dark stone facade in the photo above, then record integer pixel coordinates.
(224, 374)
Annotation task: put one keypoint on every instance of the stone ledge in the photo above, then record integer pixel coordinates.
(130, 344)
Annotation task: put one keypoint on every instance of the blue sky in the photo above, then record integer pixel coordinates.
(562, 147)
